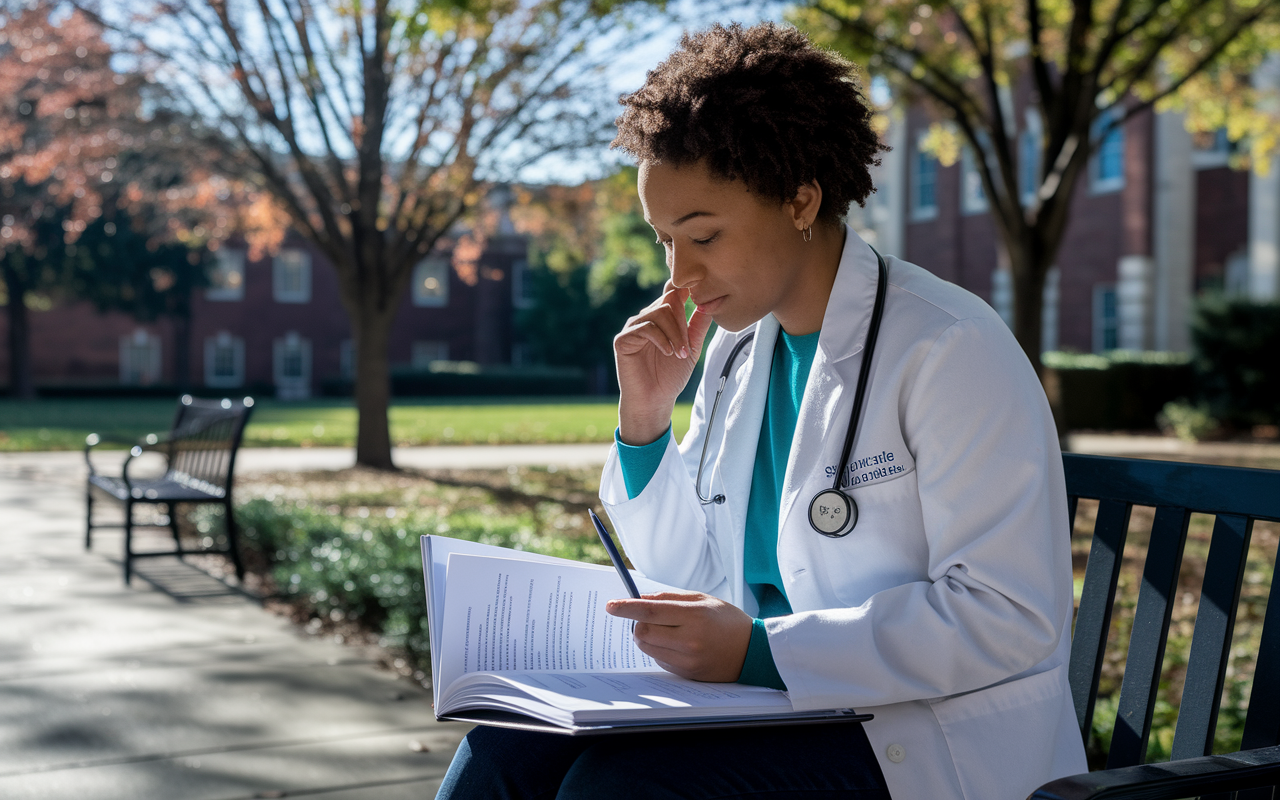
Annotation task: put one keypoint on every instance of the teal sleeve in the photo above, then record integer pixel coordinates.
(758, 668)
(639, 463)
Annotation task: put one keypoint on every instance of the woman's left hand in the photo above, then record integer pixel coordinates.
(691, 634)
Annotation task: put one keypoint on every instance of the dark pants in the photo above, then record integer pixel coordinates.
(806, 761)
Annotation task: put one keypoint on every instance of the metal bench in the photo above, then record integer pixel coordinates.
(200, 452)
(1236, 497)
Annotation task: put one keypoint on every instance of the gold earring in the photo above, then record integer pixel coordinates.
(807, 233)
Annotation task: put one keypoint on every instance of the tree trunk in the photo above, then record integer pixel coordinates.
(1030, 266)
(1028, 303)
(372, 332)
(21, 386)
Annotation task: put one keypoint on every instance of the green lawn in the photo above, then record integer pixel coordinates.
(63, 424)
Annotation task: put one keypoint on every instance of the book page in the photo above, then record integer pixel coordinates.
(435, 561)
(505, 614)
(584, 698)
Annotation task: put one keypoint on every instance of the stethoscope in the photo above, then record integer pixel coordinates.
(832, 512)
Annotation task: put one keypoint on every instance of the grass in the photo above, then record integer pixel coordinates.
(63, 424)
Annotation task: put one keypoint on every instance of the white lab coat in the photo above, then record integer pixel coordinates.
(947, 611)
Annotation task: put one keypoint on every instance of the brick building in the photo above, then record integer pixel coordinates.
(1158, 219)
(277, 325)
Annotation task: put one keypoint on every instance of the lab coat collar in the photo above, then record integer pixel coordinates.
(848, 315)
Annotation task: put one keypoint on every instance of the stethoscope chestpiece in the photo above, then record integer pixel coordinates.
(833, 513)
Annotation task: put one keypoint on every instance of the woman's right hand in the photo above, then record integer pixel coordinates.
(656, 353)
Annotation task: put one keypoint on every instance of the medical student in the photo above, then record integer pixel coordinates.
(941, 602)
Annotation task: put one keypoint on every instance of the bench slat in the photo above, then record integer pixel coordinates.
(1094, 617)
(1199, 487)
(1211, 641)
(1147, 639)
(1262, 725)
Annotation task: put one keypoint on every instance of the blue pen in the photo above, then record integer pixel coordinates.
(614, 555)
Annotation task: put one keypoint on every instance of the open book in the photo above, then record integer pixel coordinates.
(523, 640)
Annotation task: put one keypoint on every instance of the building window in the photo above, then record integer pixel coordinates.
(1002, 294)
(1107, 166)
(140, 358)
(522, 289)
(292, 373)
(424, 353)
(226, 276)
(347, 359)
(1212, 149)
(523, 354)
(291, 276)
(1029, 153)
(1106, 322)
(924, 183)
(224, 361)
(1049, 313)
(973, 197)
(431, 282)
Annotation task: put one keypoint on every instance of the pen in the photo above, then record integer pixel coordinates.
(614, 555)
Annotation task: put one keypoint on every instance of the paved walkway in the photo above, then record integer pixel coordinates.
(180, 688)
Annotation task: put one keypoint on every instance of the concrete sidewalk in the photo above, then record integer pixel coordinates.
(180, 687)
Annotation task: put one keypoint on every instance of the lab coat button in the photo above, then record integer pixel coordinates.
(896, 753)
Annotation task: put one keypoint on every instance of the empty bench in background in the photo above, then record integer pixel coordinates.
(200, 452)
(1236, 497)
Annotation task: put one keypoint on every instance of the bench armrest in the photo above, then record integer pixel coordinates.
(148, 442)
(1188, 777)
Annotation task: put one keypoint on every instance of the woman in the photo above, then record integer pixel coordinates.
(945, 610)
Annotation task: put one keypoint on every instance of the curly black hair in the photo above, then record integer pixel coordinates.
(763, 105)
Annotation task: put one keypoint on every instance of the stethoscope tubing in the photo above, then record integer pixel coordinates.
(864, 376)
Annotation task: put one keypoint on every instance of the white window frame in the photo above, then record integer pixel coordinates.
(140, 358)
(291, 387)
(236, 347)
(1102, 322)
(1030, 153)
(425, 294)
(423, 352)
(973, 195)
(1051, 301)
(1098, 184)
(920, 158)
(522, 284)
(1002, 294)
(285, 290)
(227, 261)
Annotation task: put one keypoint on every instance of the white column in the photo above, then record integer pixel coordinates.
(1133, 302)
(1173, 233)
(889, 203)
(1264, 208)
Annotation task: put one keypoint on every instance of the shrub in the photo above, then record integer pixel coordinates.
(368, 567)
(1122, 389)
(1236, 342)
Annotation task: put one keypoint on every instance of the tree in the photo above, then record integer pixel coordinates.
(64, 116)
(374, 125)
(594, 263)
(1093, 65)
(99, 200)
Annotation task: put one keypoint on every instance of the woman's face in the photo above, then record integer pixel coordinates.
(736, 252)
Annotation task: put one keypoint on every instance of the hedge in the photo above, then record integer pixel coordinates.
(1119, 390)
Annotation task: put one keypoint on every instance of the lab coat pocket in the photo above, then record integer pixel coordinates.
(1008, 737)
(885, 549)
